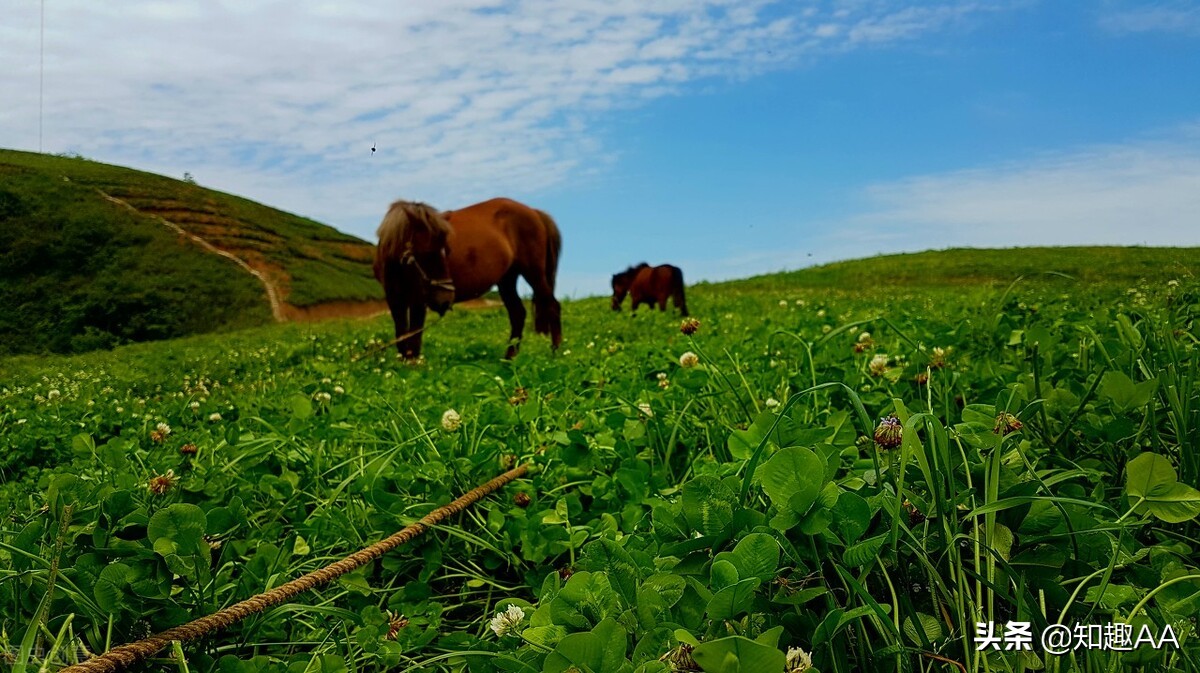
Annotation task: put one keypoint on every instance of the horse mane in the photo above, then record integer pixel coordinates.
(394, 230)
(631, 270)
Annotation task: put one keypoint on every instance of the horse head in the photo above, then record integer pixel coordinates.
(621, 282)
(414, 235)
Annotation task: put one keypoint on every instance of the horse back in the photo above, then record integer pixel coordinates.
(489, 238)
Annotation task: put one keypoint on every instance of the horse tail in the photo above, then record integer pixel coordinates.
(546, 313)
(677, 290)
(553, 246)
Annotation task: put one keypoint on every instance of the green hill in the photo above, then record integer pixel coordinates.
(93, 255)
(994, 266)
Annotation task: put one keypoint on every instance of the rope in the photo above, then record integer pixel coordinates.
(120, 658)
(379, 347)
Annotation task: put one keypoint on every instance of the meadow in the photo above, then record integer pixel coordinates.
(837, 470)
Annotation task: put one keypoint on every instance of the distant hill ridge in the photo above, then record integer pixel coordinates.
(92, 255)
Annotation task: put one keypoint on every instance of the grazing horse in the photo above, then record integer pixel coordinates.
(426, 259)
(651, 285)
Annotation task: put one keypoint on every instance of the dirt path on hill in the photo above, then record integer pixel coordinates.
(365, 309)
(277, 311)
(282, 311)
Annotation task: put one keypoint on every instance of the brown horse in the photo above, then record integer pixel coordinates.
(426, 259)
(651, 285)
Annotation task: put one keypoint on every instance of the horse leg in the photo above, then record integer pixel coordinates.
(411, 346)
(516, 312)
(680, 302)
(662, 303)
(547, 313)
(398, 307)
(400, 319)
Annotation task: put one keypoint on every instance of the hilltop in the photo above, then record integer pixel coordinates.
(93, 255)
(991, 267)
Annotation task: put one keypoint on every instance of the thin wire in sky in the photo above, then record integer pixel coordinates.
(41, 73)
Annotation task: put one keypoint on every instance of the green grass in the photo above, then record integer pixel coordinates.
(741, 506)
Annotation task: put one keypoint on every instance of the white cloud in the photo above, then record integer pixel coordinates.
(463, 98)
(1145, 191)
(1163, 17)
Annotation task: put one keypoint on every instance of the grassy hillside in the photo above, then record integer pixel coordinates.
(78, 273)
(997, 266)
(88, 257)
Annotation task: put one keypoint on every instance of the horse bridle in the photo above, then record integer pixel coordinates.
(408, 258)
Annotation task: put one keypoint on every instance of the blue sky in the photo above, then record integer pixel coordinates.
(729, 138)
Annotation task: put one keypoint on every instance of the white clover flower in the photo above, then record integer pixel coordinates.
(771, 403)
(826, 329)
(326, 380)
(644, 407)
(163, 428)
(322, 397)
(194, 406)
(878, 364)
(506, 622)
(783, 303)
(120, 410)
(799, 302)
(1172, 283)
(214, 417)
(864, 337)
(662, 376)
(450, 422)
(339, 390)
(689, 360)
(821, 313)
(20, 421)
(53, 394)
(798, 661)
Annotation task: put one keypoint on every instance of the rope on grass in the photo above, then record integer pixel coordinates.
(380, 347)
(120, 658)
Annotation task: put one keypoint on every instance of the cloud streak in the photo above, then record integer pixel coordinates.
(464, 98)
(1164, 17)
(1143, 192)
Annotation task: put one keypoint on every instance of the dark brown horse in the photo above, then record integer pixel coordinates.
(651, 285)
(428, 259)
